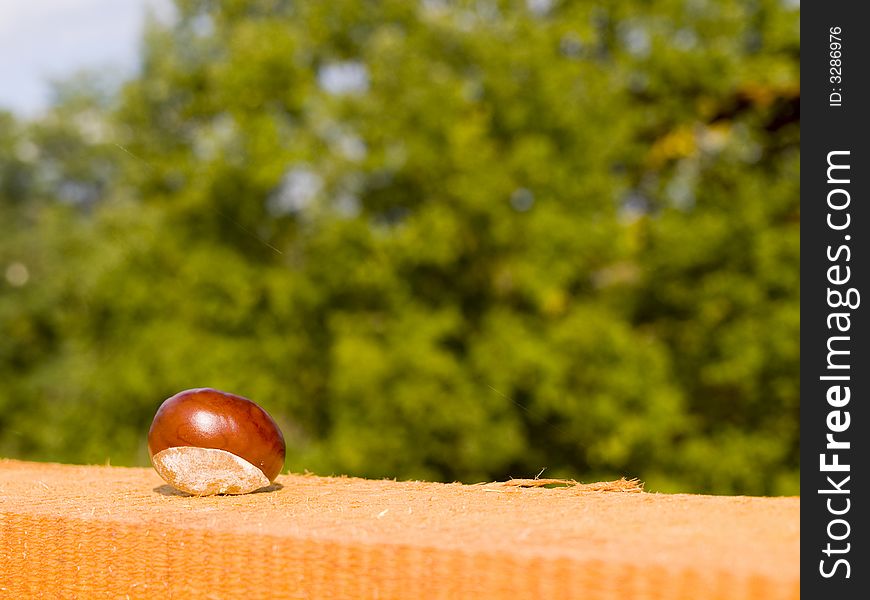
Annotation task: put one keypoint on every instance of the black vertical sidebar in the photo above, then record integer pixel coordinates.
(835, 225)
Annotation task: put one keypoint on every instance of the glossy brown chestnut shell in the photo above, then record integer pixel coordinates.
(209, 418)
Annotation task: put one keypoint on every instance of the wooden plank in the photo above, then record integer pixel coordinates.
(109, 532)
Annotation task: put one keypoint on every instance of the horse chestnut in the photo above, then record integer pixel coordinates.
(204, 441)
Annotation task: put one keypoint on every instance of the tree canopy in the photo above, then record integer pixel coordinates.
(441, 240)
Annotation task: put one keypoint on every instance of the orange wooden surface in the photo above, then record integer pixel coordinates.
(109, 532)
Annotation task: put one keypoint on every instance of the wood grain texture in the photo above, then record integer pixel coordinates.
(108, 532)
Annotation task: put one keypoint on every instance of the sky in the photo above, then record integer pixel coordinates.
(49, 39)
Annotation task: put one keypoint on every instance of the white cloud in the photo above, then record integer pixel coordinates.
(299, 187)
(349, 77)
(46, 39)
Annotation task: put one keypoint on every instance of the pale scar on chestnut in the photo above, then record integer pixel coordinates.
(205, 441)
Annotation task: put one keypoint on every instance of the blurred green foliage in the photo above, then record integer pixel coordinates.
(441, 240)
